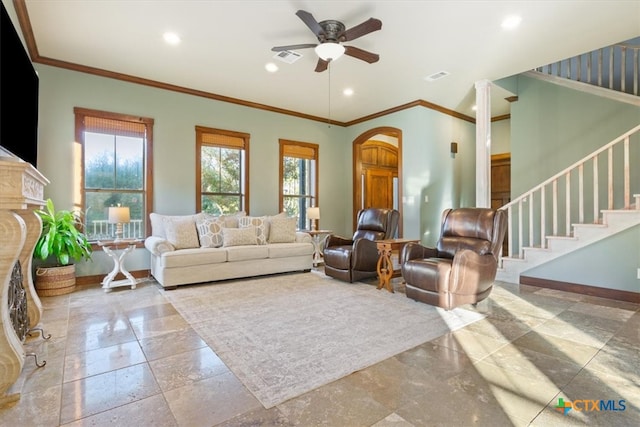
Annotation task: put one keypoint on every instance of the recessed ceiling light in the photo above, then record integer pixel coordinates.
(271, 67)
(511, 22)
(171, 38)
(347, 92)
(474, 107)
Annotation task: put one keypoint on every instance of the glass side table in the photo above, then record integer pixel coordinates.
(117, 251)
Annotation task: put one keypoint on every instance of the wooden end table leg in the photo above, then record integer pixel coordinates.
(385, 269)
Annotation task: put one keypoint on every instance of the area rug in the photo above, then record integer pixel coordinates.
(285, 335)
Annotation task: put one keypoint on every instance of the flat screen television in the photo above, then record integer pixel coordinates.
(18, 94)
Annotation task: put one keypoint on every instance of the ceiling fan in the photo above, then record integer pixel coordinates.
(331, 34)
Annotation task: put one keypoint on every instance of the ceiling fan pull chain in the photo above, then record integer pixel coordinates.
(329, 94)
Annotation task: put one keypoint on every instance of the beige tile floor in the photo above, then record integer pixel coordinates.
(127, 358)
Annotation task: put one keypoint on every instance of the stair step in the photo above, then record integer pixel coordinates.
(512, 258)
(588, 231)
(589, 225)
(534, 254)
(560, 243)
(622, 216)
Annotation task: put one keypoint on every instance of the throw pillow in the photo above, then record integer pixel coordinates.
(210, 230)
(231, 220)
(260, 224)
(157, 222)
(181, 232)
(282, 230)
(239, 236)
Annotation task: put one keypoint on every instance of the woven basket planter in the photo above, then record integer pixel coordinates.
(52, 281)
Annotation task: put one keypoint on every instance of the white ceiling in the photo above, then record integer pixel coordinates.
(226, 44)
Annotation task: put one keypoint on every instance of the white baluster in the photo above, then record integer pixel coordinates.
(567, 230)
(581, 193)
(596, 202)
(555, 207)
(627, 184)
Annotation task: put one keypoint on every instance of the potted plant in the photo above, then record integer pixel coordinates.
(60, 244)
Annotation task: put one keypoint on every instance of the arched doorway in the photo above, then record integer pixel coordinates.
(377, 170)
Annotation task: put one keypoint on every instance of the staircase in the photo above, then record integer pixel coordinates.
(590, 200)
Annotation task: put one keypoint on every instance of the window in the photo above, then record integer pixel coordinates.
(298, 179)
(222, 171)
(115, 171)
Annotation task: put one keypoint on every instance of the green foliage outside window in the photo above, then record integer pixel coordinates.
(221, 171)
(114, 176)
(297, 188)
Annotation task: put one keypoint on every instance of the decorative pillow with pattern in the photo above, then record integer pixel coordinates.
(181, 232)
(210, 230)
(261, 224)
(282, 230)
(239, 236)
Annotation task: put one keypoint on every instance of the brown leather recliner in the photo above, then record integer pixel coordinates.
(357, 258)
(462, 267)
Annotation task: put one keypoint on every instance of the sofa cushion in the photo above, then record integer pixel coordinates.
(181, 232)
(193, 257)
(248, 252)
(285, 250)
(282, 230)
(239, 236)
(260, 224)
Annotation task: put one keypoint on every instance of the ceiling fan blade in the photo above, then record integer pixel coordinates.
(368, 26)
(361, 54)
(311, 22)
(293, 47)
(322, 65)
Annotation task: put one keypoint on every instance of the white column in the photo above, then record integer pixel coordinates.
(483, 143)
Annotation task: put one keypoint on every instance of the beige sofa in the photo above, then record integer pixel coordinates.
(199, 248)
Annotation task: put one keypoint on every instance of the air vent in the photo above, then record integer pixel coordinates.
(436, 76)
(288, 56)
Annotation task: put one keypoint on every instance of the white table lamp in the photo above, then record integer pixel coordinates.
(313, 214)
(119, 215)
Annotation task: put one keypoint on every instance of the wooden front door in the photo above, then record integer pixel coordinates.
(377, 165)
(378, 191)
(501, 186)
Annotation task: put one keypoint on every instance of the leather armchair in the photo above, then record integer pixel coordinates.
(357, 258)
(462, 267)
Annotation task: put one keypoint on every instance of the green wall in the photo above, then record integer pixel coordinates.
(603, 264)
(552, 127)
(429, 168)
(541, 144)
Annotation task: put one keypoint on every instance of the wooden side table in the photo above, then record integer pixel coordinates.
(112, 248)
(385, 265)
(318, 237)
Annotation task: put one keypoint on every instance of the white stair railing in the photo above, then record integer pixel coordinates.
(602, 180)
(614, 67)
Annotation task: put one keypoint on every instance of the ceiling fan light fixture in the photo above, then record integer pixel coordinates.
(329, 51)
